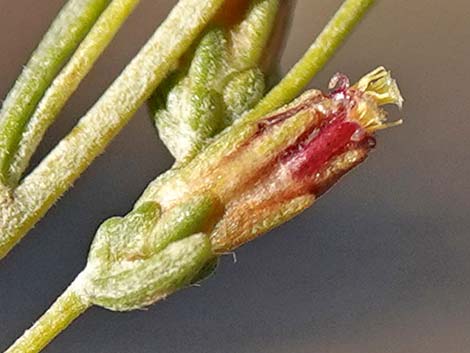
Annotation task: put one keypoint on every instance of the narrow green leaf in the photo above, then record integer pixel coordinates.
(65, 34)
(65, 84)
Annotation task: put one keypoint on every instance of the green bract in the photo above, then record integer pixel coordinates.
(242, 93)
(219, 82)
(132, 285)
(137, 259)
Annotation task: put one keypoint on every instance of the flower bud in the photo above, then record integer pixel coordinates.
(265, 172)
(255, 176)
(336, 136)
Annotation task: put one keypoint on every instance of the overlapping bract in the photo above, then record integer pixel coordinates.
(216, 84)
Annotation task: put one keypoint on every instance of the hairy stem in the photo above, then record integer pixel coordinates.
(66, 32)
(326, 44)
(60, 315)
(65, 84)
(56, 173)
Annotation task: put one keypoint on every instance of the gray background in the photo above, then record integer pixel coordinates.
(380, 264)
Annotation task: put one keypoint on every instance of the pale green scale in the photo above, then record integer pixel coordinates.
(134, 285)
(187, 110)
(243, 92)
(208, 59)
(137, 259)
(193, 216)
(125, 237)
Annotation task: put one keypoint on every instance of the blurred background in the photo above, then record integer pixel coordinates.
(380, 264)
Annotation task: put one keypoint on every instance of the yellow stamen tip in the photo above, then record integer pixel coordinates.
(381, 86)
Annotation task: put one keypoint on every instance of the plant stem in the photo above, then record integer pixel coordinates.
(66, 32)
(321, 51)
(65, 84)
(60, 315)
(64, 164)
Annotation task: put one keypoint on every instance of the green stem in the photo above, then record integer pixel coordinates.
(66, 32)
(321, 51)
(60, 315)
(56, 173)
(65, 84)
